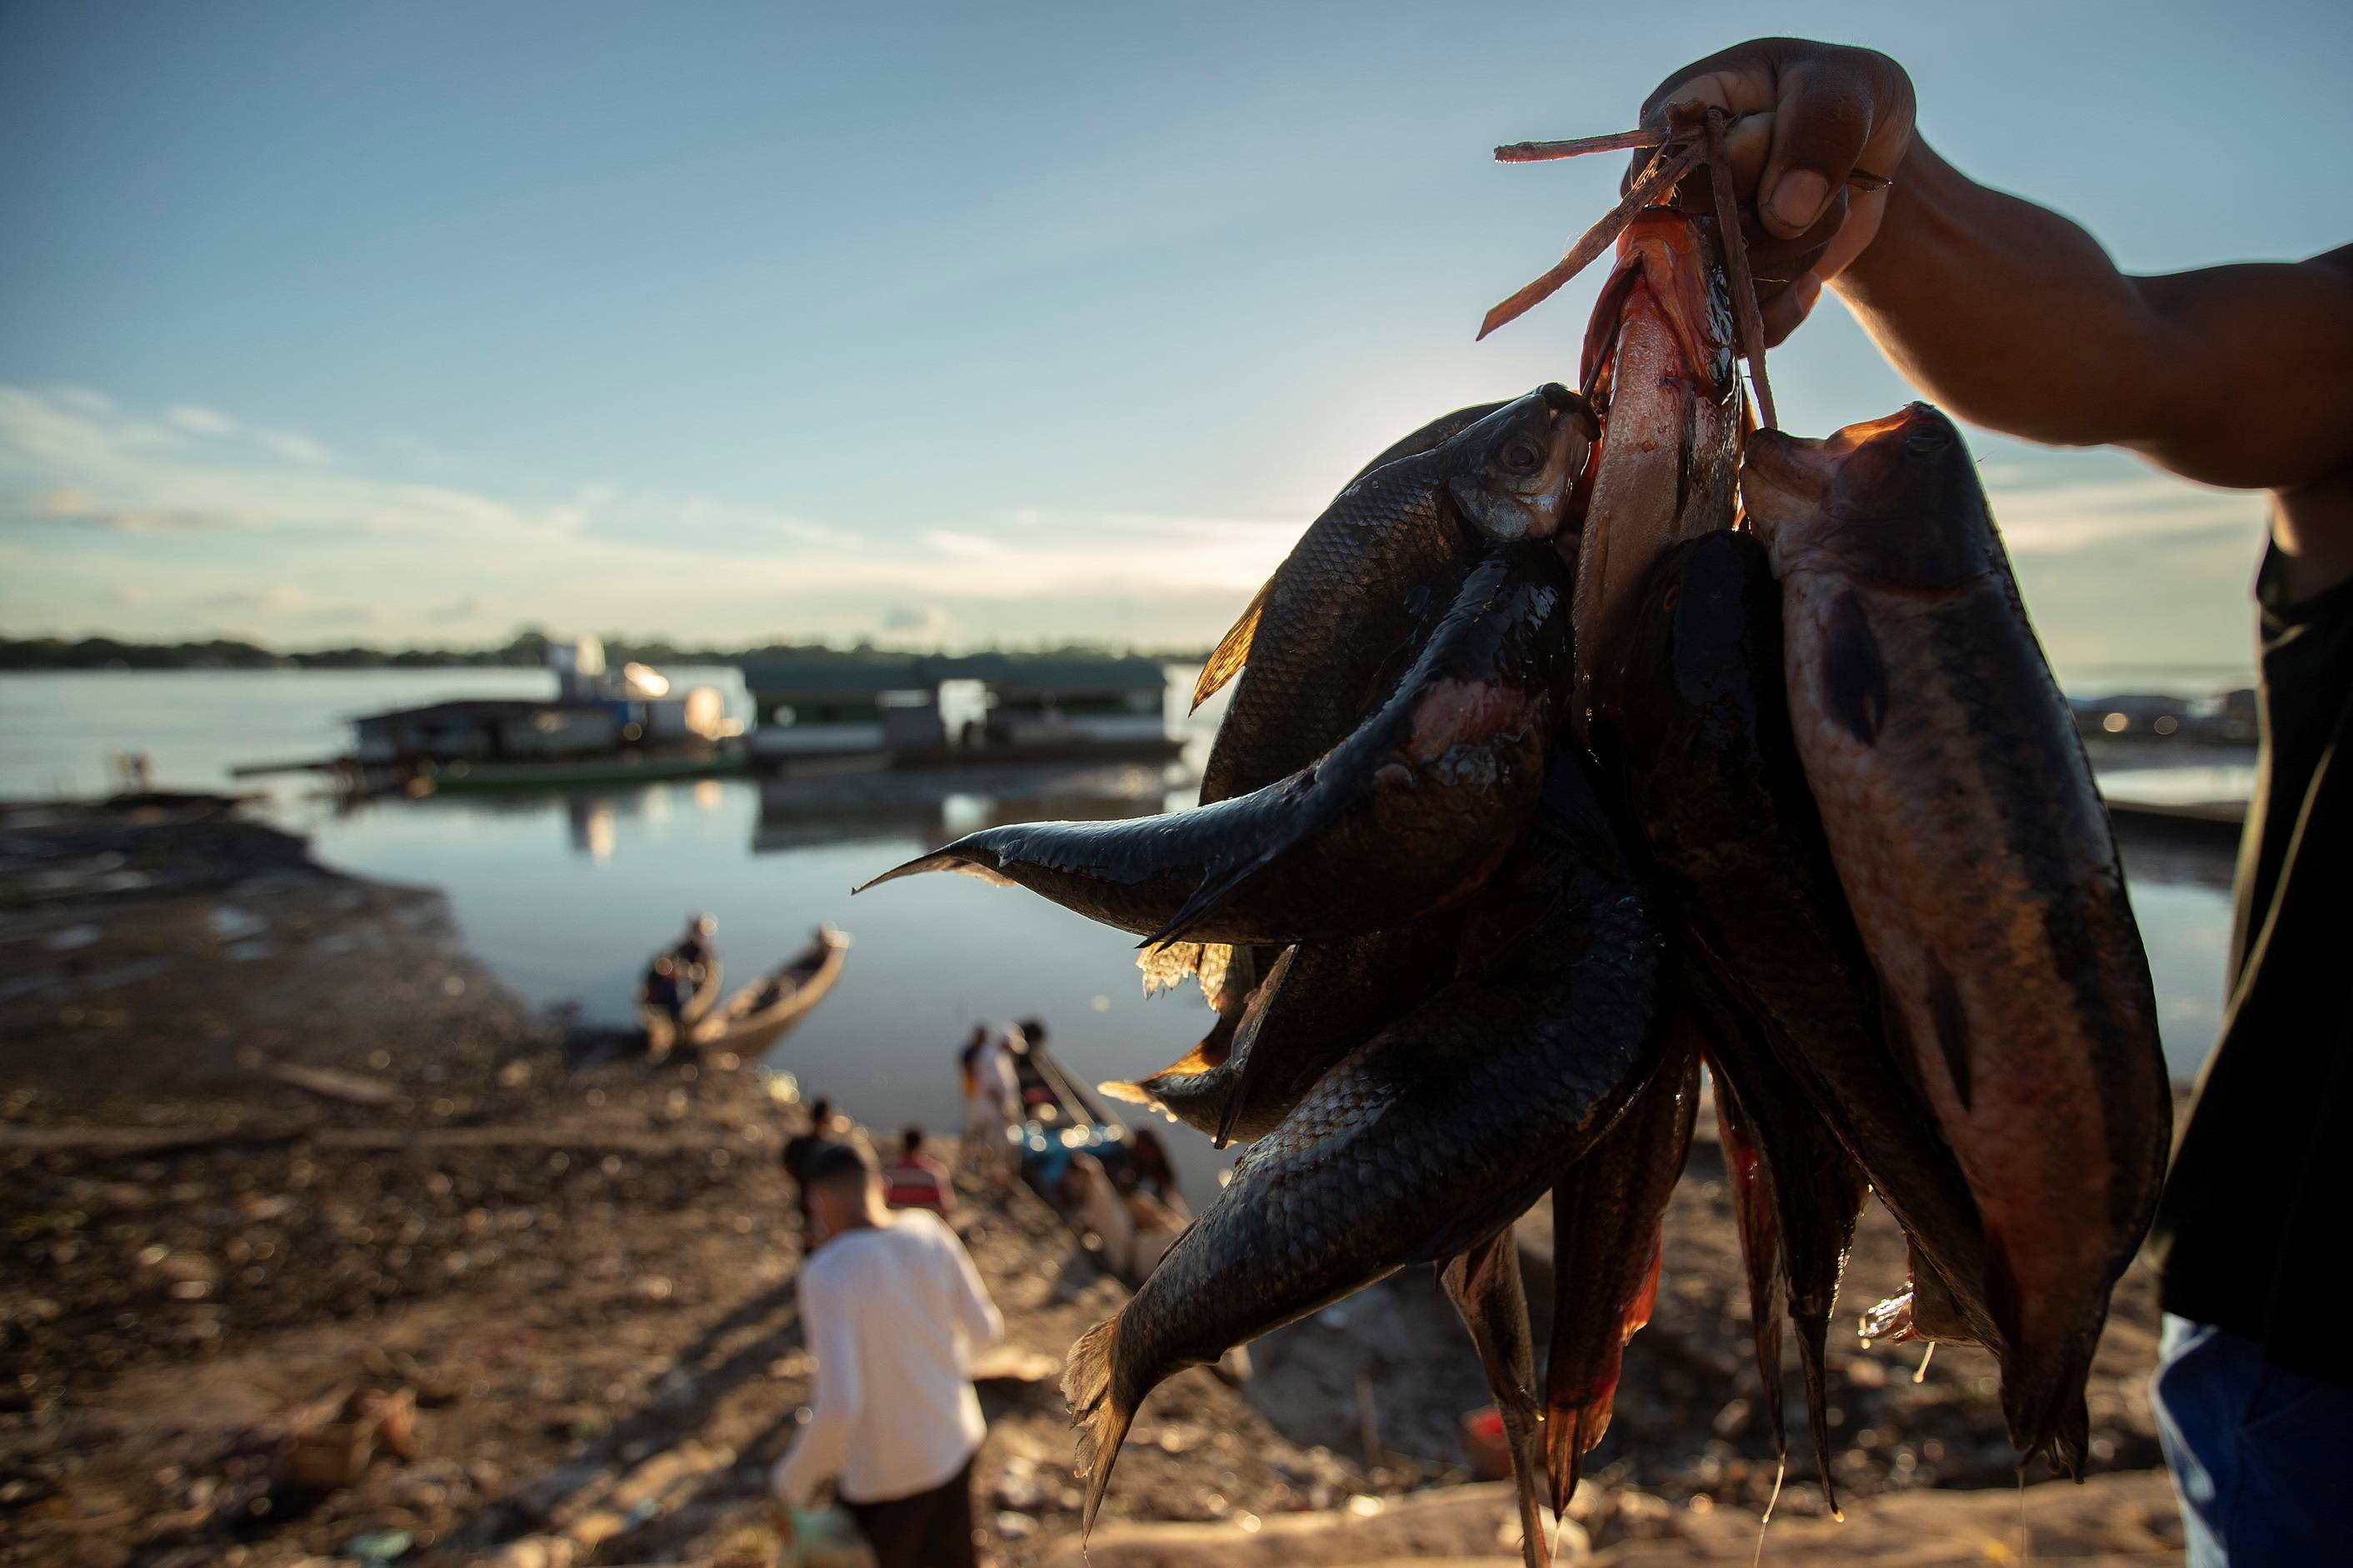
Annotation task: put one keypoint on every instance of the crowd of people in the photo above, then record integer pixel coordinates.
(892, 1310)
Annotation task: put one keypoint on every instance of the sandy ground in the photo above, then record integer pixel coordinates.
(582, 1272)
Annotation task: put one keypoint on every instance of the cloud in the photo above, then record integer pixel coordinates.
(927, 624)
(2063, 518)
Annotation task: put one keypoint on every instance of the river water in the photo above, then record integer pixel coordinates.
(564, 897)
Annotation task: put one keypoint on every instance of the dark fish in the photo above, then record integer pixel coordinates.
(1606, 1215)
(1320, 1001)
(1410, 812)
(1977, 859)
(1817, 1191)
(1428, 1140)
(1484, 1285)
(1233, 649)
(1369, 577)
(1757, 1222)
(1658, 366)
(1713, 777)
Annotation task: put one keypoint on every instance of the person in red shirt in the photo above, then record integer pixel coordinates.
(916, 1181)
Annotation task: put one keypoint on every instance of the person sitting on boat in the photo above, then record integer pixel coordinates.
(893, 1312)
(697, 949)
(916, 1181)
(663, 991)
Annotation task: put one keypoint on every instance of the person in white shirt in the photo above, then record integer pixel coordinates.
(992, 1103)
(893, 1312)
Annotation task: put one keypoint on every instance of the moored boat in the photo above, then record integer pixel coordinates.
(762, 1013)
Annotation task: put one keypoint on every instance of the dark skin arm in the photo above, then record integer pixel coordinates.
(2012, 317)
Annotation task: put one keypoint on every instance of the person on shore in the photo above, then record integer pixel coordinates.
(916, 1181)
(992, 1104)
(893, 1312)
(2014, 318)
(1148, 1167)
(823, 1127)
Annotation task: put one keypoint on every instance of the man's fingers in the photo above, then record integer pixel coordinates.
(1787, 310)
(1819, 127)
(1836, 109)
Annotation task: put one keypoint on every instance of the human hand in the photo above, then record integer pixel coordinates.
(1808, 118)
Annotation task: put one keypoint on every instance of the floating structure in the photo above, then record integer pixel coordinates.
(602, 727)
(851, 713)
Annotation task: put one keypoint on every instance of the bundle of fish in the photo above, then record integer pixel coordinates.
(1587, 740)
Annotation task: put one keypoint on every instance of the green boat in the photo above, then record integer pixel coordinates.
(585, 773)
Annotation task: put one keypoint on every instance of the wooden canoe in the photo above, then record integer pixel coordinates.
(764, 1012)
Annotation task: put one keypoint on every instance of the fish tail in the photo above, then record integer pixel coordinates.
(955, 857)
(1813, 1331)
(1097, 1412)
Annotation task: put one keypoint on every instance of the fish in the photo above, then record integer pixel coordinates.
(1362, 587)
(1607, 1215)
(1411, 812)
(1658, 365)
(1978, 857)
(1818, 1193)
(1428, 1139)
(1319, 1002)
(1757, 1224)
(1484, 1285)
(1714, 781)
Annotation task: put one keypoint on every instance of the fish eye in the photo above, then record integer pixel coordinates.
(1926, 443)
(1523, 457)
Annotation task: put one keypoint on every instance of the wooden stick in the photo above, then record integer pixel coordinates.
(1746, 319)
(1578, 146)
(1671, 164)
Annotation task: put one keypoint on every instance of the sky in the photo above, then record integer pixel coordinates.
(324, 323)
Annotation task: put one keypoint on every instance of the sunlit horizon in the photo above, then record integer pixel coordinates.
(323, 328)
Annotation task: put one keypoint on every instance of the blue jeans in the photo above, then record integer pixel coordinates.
(2262, 1456)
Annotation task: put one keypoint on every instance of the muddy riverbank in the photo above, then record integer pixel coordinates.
(270, 1142)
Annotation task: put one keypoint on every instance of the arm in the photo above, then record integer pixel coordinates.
(2013, 317)
(835, 1396)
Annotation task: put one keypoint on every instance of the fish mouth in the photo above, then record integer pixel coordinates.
(1855, 470)
(1663, 251)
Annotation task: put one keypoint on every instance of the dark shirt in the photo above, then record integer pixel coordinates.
(2253, 1232)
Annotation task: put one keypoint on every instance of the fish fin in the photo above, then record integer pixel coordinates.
(1758, 1227)
(1812, 1334)
(1221, 885)
(1121, 1089)
(1096, 1412)
(1483, 1283)
(1168, 965)
(1854, 672)
(1233, 649)
(952, 858)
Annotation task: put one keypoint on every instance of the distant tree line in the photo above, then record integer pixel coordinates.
(526, 650)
